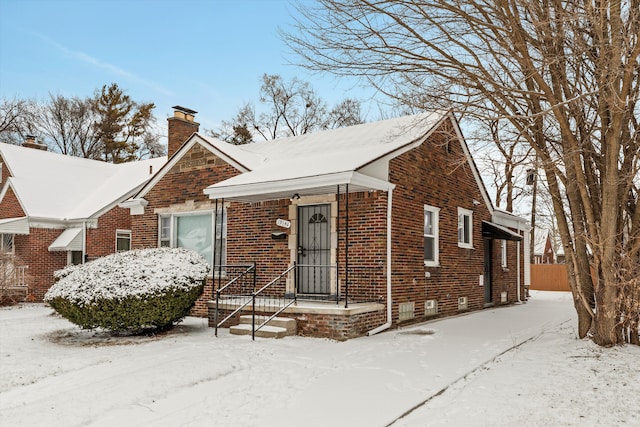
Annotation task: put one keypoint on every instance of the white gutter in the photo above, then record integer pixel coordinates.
(387, 325)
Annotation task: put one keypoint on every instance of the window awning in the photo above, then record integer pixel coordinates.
(69, 240)
(303, 186)
(14, 225)
(495, 231)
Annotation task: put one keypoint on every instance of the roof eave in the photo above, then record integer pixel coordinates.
(302, 186)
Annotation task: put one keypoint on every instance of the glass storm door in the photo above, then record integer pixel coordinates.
(488, 252)
(314, 250)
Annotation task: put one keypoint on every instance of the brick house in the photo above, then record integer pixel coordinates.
(355, 230)
(57, 210)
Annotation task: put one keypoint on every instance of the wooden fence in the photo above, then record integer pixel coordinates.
(549, 277)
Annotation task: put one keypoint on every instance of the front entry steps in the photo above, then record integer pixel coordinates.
(277, 327)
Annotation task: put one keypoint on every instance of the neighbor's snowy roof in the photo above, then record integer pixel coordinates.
(55, 186)
(321, 154)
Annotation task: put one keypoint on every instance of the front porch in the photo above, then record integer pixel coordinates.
(322, 319)
(354, 306)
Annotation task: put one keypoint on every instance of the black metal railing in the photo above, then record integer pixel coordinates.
(240, 291)
(240, 283)
(355, 284)
(265, 302)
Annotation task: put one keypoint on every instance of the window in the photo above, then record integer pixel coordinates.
(6, 243)
(465, 228)
(194, 230)
(123, 240)
(75, 257)
(431, 243)
(504, 254)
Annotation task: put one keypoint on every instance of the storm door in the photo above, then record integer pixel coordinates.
(488, 260)
(314, 250)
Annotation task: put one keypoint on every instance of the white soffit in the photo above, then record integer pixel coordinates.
(69, 240)
(304, 186)
(14, 225)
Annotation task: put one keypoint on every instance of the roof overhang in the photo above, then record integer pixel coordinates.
(135, 206)
(69, 240)
(495, 231)
(14, 225)
(253, 192)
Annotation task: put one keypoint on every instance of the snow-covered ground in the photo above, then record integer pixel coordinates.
(514, 366)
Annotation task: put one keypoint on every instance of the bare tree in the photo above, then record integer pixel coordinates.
(564, 74)
(290, 108)
(15, 115)
(67, 124)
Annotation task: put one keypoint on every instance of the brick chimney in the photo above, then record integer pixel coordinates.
(181, 127)
(30, 142)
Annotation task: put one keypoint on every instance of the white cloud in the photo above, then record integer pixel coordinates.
(114, 69)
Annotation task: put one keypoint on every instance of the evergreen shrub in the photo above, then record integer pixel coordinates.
(130, 292)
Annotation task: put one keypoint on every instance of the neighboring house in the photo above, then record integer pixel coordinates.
(57, 210)
(367, 227)
(543, 252)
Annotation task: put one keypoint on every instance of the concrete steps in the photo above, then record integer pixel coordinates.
(277, 327)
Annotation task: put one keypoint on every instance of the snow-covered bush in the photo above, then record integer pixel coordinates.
(130, 291)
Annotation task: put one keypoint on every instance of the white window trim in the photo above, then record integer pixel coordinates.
(13, 243)
(436, 236)
(469, 213)
(173, 230)
(120, 234)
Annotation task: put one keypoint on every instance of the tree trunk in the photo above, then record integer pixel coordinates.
(634, 338)
(605, 325)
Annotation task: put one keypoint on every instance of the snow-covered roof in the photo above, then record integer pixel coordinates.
(59, 187)
(319, 159)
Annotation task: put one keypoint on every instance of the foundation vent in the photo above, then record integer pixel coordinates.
(430, 307)
(462, 303)
(406, 311)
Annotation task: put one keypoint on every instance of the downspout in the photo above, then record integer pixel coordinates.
(84, 240)
(518, 268)
(387, 325)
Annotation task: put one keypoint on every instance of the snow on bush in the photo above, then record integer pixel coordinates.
(130, 291)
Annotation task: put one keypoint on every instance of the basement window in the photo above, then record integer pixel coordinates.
(406, 311)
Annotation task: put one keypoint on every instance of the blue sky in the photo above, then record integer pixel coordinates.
(207, 55)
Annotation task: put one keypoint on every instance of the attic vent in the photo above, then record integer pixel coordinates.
(406, 311)
(462, 303)
(430, 307)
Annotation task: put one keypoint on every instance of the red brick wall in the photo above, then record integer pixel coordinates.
(196, 170)
(249, 229)
(5, 172)
(10, 206)
(32, 250)
(435, 173)
(101, 241)
(179, 131)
